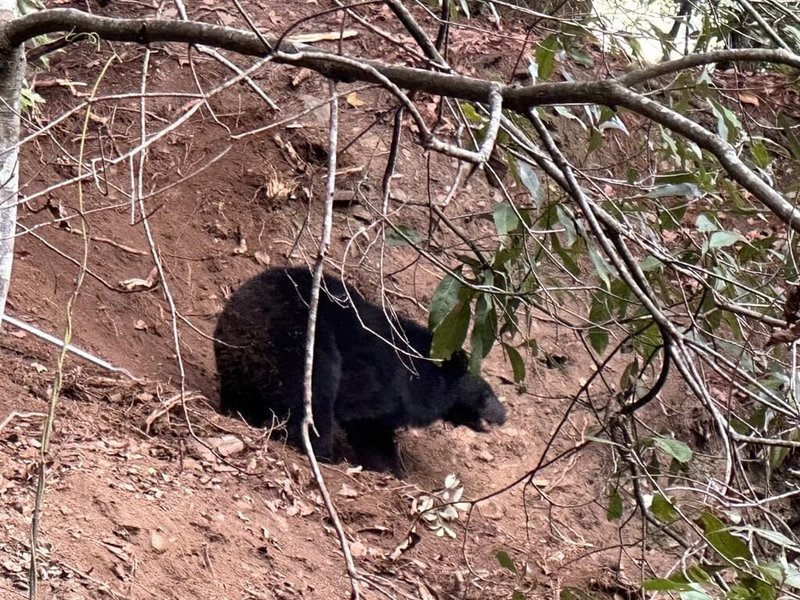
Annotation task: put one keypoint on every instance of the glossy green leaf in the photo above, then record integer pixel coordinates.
(674, 448)
(546, 56)
(505, 218)
(530, 180)
(728, 545)
(505, 561)
(450, 334)
(663, 509)
(614, 511)
(517, 364)
(723, 239)
(449, 293)
(402, 235)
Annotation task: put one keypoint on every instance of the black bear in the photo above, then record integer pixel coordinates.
(368, 376)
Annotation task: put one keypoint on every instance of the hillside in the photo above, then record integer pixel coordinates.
(134, 506)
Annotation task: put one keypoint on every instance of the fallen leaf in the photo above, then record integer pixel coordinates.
(262, 258)
(347, 491)
(354, 101)
(746, 98)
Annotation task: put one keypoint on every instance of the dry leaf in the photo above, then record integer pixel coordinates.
(141, 284)
(347, 491)
(746, 98)
(354, 101)
(262, 258)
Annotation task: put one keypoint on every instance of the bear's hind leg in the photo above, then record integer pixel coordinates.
(374, 446)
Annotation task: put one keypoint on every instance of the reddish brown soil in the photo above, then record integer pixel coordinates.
(134, 507)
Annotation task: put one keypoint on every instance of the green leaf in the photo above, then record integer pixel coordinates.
(650, 263)
(450, 334)
(773, 536)
(705, 224)
(647, 341)
(731, 547)
(566, 258)
(471, 114)
(598, 313)
(674, 448)
(517, 364)
(505, 218)
(723, 239)
(531, 182)
(505, 561)
(566, 220)
(663, 509)
(449, 293)
(595, 140)
(484, 330)
(665, 585)
(403, 235)
(581, 58)
(760, 154)
(601, 266)
(598, 338)
(698, 574)
(728, 125)
(614, 511)
(517, 595)
(546, 56)
(689, 190)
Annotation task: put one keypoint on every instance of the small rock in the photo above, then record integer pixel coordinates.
(160, 542)
(486, 456)
(228, 445)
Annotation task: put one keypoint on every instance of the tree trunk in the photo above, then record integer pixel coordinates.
(12, 71)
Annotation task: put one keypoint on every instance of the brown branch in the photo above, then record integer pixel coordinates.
(517, 98)
(766, 55)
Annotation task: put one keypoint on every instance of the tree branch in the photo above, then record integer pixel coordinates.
(517, 98)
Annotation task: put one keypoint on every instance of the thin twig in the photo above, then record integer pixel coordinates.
(308, 416)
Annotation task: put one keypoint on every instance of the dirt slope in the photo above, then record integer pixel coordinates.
(134, 506)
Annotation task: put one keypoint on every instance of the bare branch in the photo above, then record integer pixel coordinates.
(308, 415)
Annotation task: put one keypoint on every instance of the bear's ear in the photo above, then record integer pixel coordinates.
(457, 363)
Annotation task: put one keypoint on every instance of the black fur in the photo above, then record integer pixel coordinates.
(359, 382)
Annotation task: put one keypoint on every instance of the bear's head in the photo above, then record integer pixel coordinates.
(476, 406)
